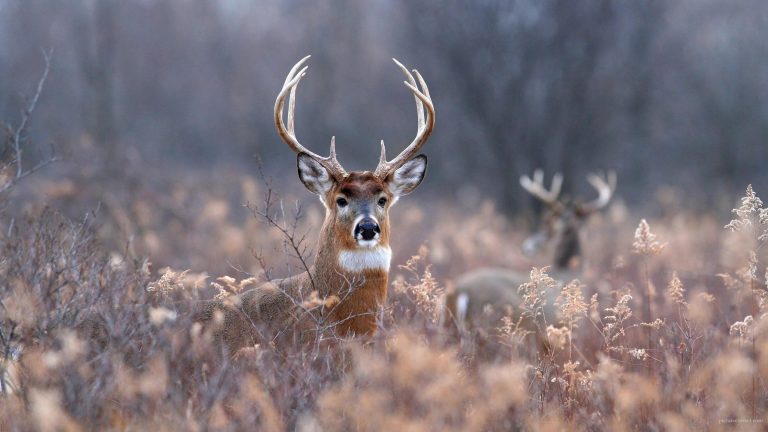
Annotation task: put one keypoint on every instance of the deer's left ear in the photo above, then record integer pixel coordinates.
(408, 176)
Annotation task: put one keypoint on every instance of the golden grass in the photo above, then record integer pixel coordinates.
(664, 330)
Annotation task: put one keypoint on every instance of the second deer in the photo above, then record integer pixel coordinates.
(486, 294)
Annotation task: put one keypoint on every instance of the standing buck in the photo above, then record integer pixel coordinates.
(485, 294)
(351, 267)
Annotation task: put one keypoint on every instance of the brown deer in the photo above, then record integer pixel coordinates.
(487, 293)
(351, 267)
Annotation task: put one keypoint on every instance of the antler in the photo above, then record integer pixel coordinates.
(605, 187)
(288, 135)
(426, 124)
(536, 186)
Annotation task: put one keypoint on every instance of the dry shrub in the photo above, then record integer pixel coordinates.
(404, 384)
(93, 338)
(417, 292)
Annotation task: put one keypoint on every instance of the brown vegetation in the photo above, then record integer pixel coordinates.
(94, 336)
(665, 329)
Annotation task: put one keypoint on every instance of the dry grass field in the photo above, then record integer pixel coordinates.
(162, 267)
(97, 335)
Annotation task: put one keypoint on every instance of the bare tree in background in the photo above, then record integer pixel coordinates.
(541, 80)
(12, 169)
(640, 87)
(96, 47)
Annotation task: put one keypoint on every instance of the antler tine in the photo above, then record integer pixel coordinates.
(383, 154)
(422, 84)
(292, 73)
(291, 106)
(605, 186)
(425, 122)
(419, 106)
(538, 177)
(287, 134)
(557, 184)
(536, 187)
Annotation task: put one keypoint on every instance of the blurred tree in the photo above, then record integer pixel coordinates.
(664, 91)
(96, 47)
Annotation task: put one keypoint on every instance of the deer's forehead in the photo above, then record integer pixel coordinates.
(361, 185)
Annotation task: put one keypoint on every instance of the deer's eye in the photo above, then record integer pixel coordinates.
(341, 202)
(382, 201)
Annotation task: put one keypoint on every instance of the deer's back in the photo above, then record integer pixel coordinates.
(490, 293)
(260, 315)
(492, 285)
(485, 293)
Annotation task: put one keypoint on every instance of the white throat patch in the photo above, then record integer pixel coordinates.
(357, 260)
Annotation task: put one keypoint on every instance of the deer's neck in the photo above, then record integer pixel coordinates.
(358, 276)
(568, 250)
(339, 264)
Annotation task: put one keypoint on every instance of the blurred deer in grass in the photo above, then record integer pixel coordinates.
(488, 294)
(343, 292)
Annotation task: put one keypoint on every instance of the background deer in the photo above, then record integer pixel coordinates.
(351, 267)
(488, 293)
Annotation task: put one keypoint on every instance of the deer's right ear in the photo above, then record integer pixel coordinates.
(314, 176)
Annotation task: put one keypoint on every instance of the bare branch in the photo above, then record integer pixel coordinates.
(17, 134)
(27, 112)
(291, 241)
(12, 182)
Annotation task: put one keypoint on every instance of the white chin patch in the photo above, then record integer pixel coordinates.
(370, 258)
(368, 243)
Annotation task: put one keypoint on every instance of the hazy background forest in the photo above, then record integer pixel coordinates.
(668, 93)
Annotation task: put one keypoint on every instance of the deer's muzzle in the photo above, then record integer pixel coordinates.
(367, 229)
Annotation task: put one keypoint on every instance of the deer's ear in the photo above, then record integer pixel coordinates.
(314, 176)
(408, 176)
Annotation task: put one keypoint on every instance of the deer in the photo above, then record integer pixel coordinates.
(490, 293)
(351, 267)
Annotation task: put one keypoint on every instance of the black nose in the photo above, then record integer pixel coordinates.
(367, 229)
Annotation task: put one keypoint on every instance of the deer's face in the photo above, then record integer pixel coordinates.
(357, 205)
(560, 225)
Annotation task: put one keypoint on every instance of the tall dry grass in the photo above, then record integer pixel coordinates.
(664, 330)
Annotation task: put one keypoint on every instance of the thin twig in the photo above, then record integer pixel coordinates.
(17, 134)
(297, 245)
(27, 112)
